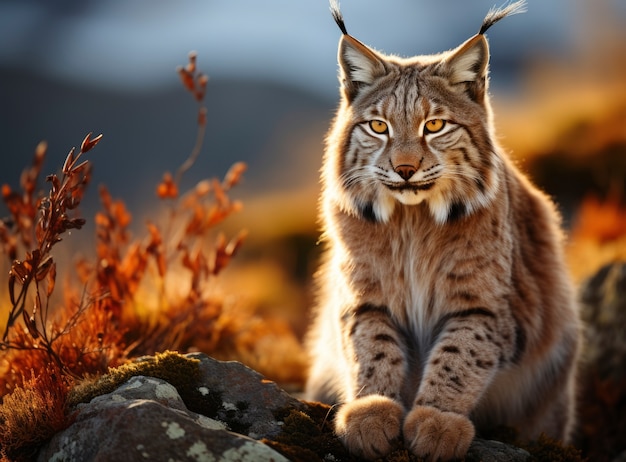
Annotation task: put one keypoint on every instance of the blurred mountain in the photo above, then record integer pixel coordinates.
(277, 130)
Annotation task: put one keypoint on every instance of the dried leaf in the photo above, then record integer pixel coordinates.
(167, 189)
(31, 325)
(202, 80)
(121, 216)
(69, 162)
(75, 223)
(186, 78)
(51, 279)
(40, 152)
(202, 188)
(234, 174)
(196, 222)
(224, 252)
(20, 271)
(44, 267)
(56, 184)
(220, 195)
(80, 168)
(236, 242)
(102, 220)
(221, 257)
(191, 66)
(72, 203)
(105, 197)
(89, 143)
(6, 192)
(155, 237)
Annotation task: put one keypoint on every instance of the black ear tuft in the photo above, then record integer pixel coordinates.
(337, 16)
(496, 14)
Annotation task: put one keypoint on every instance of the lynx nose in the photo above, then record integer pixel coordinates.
(405, 171)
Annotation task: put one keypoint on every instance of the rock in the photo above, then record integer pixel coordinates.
(147, 419)
(603, 303)
(241, 397)
(495, 451)
(602, 409)
(208, 410)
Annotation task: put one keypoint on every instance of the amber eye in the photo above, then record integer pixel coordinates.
(378, 126)
(434, 125)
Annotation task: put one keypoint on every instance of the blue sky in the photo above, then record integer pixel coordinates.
(133, 44)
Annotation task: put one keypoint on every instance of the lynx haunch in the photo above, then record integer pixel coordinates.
(444, 305)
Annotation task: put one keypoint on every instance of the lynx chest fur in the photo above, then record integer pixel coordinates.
(444, 303)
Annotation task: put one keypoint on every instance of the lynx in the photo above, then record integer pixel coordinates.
(445, 308)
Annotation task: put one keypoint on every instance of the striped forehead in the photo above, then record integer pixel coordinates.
(400, 93)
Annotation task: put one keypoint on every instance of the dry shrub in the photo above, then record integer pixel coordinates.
(36, 224)
(162, 289)
(41, 352)
(598, 236)
(139, 295)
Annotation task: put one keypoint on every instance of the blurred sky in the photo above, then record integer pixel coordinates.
(132, 44)
(68, 66)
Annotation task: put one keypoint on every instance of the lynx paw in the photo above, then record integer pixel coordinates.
(368, 425)
(437, 435)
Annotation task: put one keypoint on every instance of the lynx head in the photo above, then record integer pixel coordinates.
(414, 130)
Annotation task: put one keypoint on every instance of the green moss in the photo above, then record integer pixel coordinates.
(181, 372)
(308, 436)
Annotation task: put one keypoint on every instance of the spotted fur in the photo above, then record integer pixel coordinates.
(444, 304)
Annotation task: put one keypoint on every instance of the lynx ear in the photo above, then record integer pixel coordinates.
(469, 62)
(467, 67)
(359, 65)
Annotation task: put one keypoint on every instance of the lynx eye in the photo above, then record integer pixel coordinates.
(378, 126)
(434, 125)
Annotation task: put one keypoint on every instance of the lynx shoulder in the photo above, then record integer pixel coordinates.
(444, 305)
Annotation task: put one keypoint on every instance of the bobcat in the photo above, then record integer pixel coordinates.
(445, 307)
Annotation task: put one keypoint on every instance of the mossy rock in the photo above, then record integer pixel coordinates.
(180, 371)
(236, 395)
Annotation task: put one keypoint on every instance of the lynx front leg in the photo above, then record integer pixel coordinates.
(371, 419)
(459, 370)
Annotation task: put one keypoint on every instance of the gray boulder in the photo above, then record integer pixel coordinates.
(147, 419)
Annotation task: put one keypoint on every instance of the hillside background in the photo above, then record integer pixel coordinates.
(73, 66)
